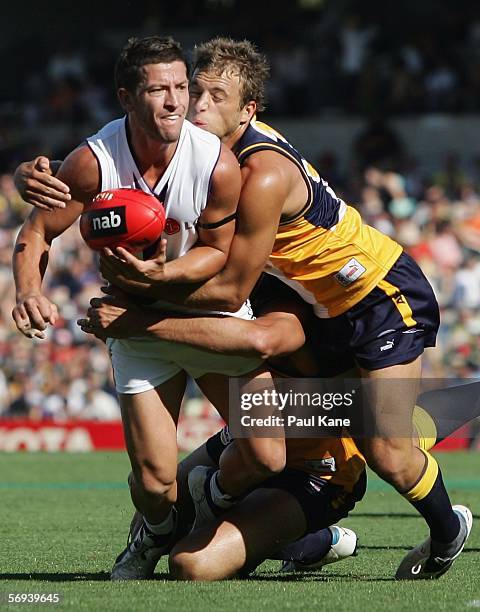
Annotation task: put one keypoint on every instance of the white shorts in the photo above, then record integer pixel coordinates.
(141, 364)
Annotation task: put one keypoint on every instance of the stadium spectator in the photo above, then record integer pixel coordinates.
(349, 57)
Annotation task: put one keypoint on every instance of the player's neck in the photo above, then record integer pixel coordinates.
(231, 140)
(150, 154)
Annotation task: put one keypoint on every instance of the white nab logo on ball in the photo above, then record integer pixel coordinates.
(108, 222)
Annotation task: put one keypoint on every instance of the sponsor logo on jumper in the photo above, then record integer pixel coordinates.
(399, 299)
(172, 226)
(108, 221)
(388, 345)
(322, 465)
(414, 330)
(350, 272)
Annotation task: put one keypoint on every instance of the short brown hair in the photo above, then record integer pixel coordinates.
(139, 52)
(239, 56)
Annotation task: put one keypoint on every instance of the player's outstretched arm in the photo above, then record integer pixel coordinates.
(37, 184)
(216, 227)
(271, 335)
(33, 311)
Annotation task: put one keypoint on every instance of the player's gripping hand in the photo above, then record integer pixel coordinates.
(131, 274)
(110, 317)
(37, 185)
(32, 314)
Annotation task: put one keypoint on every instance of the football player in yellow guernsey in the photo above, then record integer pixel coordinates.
(377, 302)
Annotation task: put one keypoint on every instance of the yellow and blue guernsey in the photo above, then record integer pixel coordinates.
(335, 459)
(325, 251)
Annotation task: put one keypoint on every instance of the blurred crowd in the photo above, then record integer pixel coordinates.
(324, 57)
(436, 218)
(67, 375)
(355, 64)
(438, 223)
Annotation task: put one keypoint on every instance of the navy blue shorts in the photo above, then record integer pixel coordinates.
(393, 324)
(323, 503)
(396, 321)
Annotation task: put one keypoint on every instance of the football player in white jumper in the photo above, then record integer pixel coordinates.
(198, 179)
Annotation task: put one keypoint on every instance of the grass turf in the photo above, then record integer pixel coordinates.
(64, 518)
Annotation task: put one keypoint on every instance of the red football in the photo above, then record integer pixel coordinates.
(129, 218)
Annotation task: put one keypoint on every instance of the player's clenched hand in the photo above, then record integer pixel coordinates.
(110, 317)
(32, 314)
(37, 186)
(126, 271)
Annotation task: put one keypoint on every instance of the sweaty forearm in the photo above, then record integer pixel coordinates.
(223, 292)
(196, 296)
(219, 293)
(211, 295)
(226, 335)
(30, 259)
(227, 290)
(199, 264)
(269, 336)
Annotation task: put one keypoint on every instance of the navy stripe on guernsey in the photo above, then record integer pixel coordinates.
(160, 197)
(152, 249)
(322, 206)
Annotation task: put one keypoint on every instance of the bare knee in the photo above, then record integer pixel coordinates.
(394, 462)
(267, 458)
(153, 480)
(192, 566)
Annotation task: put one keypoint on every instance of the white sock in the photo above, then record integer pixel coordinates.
(166, 526)
(218, 497)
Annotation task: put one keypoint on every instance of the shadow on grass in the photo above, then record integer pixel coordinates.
(67, 576)
(317, 577)
(361, 547)
(392, 515)
(105, 577)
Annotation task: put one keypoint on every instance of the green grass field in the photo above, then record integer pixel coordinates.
(64, 518)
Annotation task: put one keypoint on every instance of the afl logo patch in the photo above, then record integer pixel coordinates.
(350, 272)
(172, 226)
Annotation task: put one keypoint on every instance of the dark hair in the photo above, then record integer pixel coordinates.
(239, 57)
(138, 52)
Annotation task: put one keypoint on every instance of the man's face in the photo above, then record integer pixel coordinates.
(160, 104)
(215, 103)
